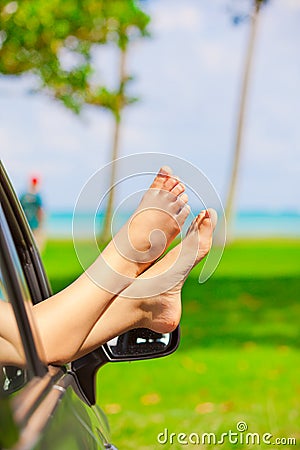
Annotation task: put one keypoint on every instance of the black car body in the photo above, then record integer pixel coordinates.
(43, 406)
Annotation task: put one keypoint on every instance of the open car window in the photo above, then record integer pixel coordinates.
(13, 376)
(21, 353)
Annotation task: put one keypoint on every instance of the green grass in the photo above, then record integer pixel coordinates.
(238, 358)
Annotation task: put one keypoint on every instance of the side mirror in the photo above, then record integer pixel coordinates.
(137, 344)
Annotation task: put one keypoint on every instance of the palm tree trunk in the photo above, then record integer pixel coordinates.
(229, 208)
(106, 231)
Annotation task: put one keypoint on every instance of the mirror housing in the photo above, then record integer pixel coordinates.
(135, 345)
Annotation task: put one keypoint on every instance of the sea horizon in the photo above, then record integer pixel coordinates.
(246, 223)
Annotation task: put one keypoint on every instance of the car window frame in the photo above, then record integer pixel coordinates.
(50, 382)
(34, 366)
(37, 280)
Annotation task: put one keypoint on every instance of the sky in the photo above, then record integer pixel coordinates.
(188, 77)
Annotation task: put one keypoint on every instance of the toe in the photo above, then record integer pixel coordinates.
(184, 198)
(201, 216)
(178, 189)
(206, 226)
(208, 218)
(166, 170)
(182, 216)
(180, 203)
(170, 183)
(164, 173)
(212, 213)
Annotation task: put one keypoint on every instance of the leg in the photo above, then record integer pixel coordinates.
(11, 348)
(69, 316)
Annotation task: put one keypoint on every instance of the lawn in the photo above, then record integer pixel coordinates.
(238, 359)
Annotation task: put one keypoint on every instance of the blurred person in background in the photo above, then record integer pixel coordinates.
(32, 204)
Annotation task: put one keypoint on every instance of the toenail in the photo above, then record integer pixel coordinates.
(166, 170)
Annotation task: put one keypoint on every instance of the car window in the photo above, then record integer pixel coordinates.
(13, 377)
(20, 350)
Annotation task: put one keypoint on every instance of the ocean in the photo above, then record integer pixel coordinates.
(246, 224)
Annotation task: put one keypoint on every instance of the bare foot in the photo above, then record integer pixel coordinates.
(156, 222)
(138, 306)
(162, 312)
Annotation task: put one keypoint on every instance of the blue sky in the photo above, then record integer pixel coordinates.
(188, 79)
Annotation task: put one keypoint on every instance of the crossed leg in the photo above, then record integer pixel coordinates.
(154, 299)
(65, 319)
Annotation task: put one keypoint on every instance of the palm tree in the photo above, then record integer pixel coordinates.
(117, 112)
(133, 24)
(229, 208)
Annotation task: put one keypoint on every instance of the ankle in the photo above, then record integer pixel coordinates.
(161, 314)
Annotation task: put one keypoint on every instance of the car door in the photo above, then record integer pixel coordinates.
(45, 407)
(39, 408)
